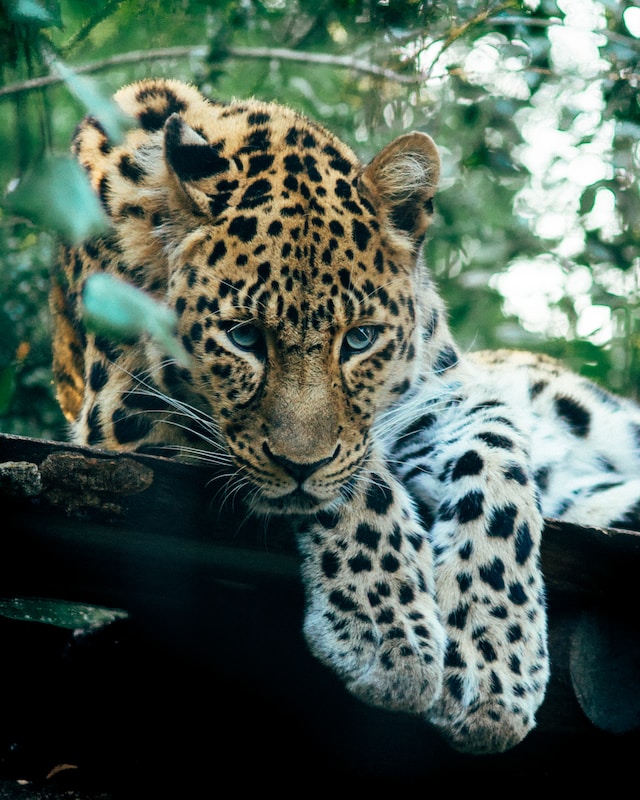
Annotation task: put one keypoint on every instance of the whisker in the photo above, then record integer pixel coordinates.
(211, 434)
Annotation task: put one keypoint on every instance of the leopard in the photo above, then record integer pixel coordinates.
(321, 375)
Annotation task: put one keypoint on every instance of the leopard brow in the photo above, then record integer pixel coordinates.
(386, 285)
(248, 308)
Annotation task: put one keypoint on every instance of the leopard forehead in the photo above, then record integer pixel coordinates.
(292, 256)
(271, 219)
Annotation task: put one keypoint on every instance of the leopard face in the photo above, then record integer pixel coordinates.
(294, 272)
(295, 389)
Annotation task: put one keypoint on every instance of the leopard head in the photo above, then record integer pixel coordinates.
(297, 279)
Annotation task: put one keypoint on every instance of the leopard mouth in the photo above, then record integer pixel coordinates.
(300, 501)
(297, 501)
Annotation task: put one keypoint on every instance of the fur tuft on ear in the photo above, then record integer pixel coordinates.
(403, 179)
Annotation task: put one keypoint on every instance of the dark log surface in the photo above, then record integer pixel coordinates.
(209, 676)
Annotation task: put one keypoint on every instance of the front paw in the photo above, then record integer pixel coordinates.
(492, 691)
(395, 663)
(489, 728)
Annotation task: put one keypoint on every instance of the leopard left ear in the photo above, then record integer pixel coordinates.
(191, 159)
(402, 179)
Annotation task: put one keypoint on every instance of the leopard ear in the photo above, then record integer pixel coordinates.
(91, 146)
(402, 179)
(191, 159)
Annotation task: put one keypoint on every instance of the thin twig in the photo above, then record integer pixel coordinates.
(480, 17)
(105, 63)
(346, 62)
(458, 32)
(279, 53)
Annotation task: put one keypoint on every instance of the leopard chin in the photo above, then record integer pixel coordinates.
(299, 502)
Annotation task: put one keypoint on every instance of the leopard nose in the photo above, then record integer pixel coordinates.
(299, 470)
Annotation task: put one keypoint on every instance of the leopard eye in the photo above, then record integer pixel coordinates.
(246, 336)
(358, 340)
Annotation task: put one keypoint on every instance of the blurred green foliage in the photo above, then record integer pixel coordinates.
(534, 104)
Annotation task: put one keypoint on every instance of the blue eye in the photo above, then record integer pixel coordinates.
(358, 340)
(246, 336)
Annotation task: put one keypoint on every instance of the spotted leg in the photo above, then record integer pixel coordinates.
(371, 614)
(486, 538)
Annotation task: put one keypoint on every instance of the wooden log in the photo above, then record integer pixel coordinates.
(220, 593)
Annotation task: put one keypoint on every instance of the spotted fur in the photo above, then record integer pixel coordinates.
(322, 375)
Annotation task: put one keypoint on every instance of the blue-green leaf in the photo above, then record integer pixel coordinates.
(58, 197)
(33, 12)
(122, 311)
(62, 613)
(115, 122)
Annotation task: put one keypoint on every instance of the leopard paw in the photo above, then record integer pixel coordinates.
(398, 669)
(489, 708)
(488, 728)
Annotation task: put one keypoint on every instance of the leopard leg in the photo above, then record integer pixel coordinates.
(371, 614)
(486, 538)
(496, 665)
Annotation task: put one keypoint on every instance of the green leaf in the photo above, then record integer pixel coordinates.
(61, 613)
(118, 309)
(33, 12)
(99, 105)
(59, 197)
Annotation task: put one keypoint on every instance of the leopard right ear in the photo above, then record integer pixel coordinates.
(92, 148)
(402, 179)
(192, 160)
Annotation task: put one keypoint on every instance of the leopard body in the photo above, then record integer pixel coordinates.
(323, 375)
